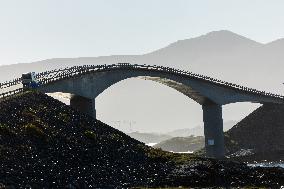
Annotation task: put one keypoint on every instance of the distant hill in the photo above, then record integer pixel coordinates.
(182, 144)
(214, 45)
(184, 140)
(198, 130)
(149, 137)
(158, 137)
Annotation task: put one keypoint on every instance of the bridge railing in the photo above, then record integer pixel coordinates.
(10, 83)
(59, 74)
(10, 93)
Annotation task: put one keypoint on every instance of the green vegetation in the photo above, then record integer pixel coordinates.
(182, 144)
(116, 137)
(90, 134)
(31, 113)
(64, 117)
(34, 131)
(5, 130)
(167, 156)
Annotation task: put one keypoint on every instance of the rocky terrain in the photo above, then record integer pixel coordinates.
(182, 144)
(259, 135)
(46, 144)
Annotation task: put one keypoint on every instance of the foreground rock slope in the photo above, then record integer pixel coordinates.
(260, 135)
(44, 143)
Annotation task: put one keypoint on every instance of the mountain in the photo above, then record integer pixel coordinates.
(220, 54)
(182, 53)
(212, 44)
(180, 140)
(155, 138)
(182, 144)
(149, 137)
(198, 130)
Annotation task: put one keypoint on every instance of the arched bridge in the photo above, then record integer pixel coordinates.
(85, 83)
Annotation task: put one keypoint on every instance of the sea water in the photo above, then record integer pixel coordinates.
(267, 164)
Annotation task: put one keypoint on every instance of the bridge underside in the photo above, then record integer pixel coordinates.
(211, 96)
(184, 89)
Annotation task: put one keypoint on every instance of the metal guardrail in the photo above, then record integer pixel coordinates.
(7, 94)
(10, 83)
(69, 72)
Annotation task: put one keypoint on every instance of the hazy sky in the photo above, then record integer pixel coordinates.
(39, 29)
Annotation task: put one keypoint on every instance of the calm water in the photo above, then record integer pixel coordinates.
(264, 164)
(268, 164)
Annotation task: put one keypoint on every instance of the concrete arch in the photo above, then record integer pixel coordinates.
(90, 85)
(87, 85)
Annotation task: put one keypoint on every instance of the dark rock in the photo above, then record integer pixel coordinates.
(46, 144)
(261, 133)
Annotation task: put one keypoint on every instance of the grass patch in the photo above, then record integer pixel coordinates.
(90, 135)
(64, 117)
(116, 137)
(35, 132)
(5, 130)
(167, 156)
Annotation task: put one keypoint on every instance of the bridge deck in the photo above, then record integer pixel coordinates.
(48, 77)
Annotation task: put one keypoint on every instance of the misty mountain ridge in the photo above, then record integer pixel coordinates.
(221, 54)
(213, 42)
(198, 130)
(186, 132)
(149, 137)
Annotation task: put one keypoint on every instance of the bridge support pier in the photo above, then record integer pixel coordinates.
(213, 130)
(84, 105)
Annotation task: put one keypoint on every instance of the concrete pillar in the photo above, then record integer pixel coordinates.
(213, 130)
(84, 105)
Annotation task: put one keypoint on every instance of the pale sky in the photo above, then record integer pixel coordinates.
(34, 30)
